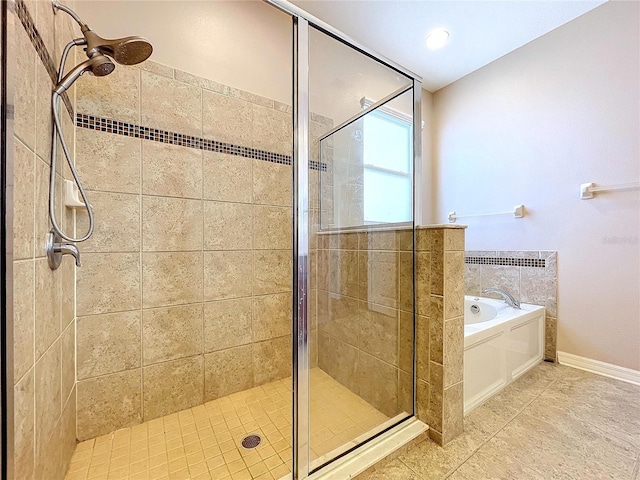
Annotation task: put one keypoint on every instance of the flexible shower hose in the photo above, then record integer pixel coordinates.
(57, 134)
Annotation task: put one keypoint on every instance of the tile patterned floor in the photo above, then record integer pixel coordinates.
(337, 416)
(555, 422)
(204, 442)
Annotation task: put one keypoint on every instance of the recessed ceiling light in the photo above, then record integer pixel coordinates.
(437, 39)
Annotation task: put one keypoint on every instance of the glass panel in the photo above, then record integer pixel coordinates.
(392, 207)
(361, 377)
(372, 158)
(387, 142)
(378, 142)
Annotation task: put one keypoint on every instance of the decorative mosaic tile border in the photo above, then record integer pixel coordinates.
(22, 12)
(507, 262)
(109, 125)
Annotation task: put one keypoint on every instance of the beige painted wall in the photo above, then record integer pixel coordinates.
(530, 128)
(425, 172)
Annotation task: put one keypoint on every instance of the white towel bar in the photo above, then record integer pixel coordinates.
(517, 212)
(588, 189)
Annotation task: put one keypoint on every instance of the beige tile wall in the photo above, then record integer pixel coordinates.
(185, 291)
(440, 292)
(43, 322)
(534, 285)
(365, 332)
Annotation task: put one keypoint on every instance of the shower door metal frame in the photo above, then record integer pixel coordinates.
(302, 22)
(300, 204)
(297, 12)
(7, 81)
(416, 207)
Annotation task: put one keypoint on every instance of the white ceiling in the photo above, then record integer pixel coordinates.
(481, 31)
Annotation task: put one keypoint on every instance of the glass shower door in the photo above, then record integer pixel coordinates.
(361, 248)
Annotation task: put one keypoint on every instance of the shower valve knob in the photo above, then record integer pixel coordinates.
(56, 249)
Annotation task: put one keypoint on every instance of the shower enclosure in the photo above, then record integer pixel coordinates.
(245, 304)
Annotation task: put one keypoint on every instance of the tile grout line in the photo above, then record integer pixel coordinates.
(202, 210)
(140, 253)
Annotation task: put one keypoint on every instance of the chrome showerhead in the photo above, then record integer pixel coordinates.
(101, 66)
(126, 51)
(98, 65)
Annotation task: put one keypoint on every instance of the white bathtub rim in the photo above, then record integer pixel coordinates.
(505, 312)
(479, 332)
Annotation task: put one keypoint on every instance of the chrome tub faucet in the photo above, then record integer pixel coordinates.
(508, 298)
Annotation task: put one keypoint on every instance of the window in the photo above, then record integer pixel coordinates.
(388, 158)
(370, 179)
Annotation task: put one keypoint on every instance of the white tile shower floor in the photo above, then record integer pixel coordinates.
(204, 442)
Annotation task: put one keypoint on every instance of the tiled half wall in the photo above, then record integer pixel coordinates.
(530, 275)
(366, 327)
(185, 291)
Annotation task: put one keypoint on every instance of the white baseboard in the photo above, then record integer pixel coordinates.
(601, 368)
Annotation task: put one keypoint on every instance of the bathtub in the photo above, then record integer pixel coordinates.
(500, 344)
